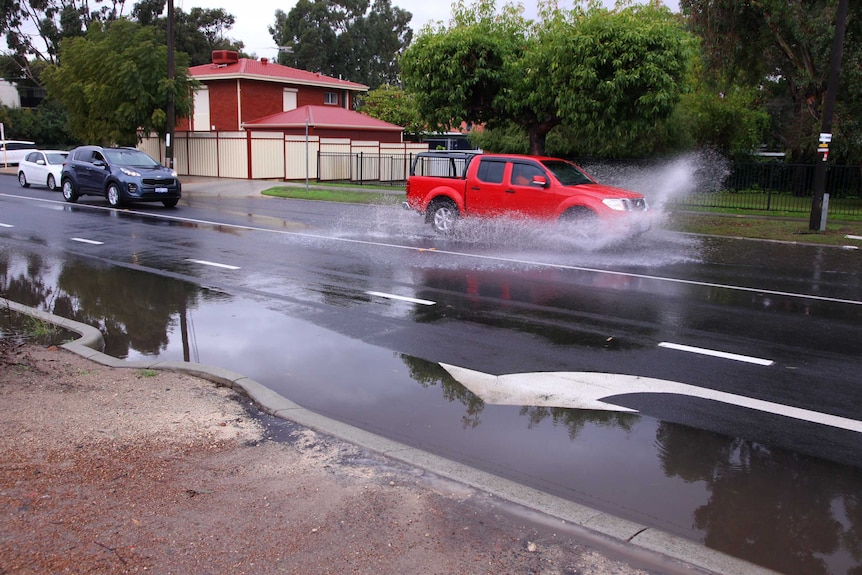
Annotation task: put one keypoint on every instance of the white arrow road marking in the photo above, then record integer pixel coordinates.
(86, 241)
(714, 353)
(587, 390)
(401, 298)
(214, 264)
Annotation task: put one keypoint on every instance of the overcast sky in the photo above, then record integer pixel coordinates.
(254, 16)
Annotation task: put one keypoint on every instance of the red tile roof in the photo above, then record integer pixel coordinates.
(322, 117)
(269, 71)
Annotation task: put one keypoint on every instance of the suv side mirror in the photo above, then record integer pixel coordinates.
(100, 164)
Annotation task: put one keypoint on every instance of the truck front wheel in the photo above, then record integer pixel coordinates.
(442, 215)
(580, 221)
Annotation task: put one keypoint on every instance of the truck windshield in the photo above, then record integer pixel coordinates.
(568, 174)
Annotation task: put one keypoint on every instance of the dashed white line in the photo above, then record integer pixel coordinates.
(86, 241)
(714, 353)
(214, 264)
(401, 298)
(6, 226)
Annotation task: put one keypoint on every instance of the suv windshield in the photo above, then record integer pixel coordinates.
(568, 174)
(129, 158)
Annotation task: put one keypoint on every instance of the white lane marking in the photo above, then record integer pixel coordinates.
(466, 255)
(214, 264)
(587, 390)
(401, 298)
(714, 353)
(6, 226)
(86, 241)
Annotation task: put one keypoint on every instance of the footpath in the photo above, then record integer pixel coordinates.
(125, 467)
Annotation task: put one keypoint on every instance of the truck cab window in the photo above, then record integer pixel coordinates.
(522, 174)
(491, 171)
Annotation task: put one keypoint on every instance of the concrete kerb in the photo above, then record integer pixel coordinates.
(591, 521)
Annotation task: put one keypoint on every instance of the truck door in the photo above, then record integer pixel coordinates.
(525, 196)
(484, 194)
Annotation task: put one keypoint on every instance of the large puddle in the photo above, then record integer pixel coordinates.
(792, 513)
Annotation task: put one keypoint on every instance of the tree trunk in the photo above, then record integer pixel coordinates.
(539, 133)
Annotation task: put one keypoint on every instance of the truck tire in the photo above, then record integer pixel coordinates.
(580, 221)
(442, 215)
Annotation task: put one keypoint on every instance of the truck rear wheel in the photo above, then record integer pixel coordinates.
(442, 215)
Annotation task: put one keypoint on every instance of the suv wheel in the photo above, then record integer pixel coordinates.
(113, 195)
(69, 193)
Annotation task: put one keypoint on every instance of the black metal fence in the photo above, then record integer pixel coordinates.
(364, 168)
(780, 187)
(772, 186)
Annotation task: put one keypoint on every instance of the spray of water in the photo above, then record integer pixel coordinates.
(603, 244)
(664, 181)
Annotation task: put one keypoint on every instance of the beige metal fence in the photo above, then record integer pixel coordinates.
(276, 156)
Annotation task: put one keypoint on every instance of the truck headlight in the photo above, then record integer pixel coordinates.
(617, 204)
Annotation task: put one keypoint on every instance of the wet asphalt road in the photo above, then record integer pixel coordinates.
(298, 295)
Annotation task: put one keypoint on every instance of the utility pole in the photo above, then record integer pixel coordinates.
(820, 199)
(171, 112)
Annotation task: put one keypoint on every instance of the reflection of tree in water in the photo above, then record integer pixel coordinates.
(576, 419)
(133, 309)
(852, 539)
(27, 289)
(429, 374)
(769, 506)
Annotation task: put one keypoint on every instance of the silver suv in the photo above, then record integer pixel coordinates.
(119, 174)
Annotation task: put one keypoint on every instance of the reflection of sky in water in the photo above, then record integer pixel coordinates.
(371, 387)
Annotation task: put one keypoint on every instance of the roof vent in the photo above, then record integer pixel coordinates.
(225, 57)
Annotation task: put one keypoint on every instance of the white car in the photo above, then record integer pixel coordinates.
(13, 151)
(42, 167)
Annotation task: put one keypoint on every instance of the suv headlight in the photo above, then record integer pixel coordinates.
(131, 173)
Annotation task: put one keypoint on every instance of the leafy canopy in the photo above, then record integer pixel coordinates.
(782, 49)
(394, 105)
(114, 83)
(197, 32)
(603, 74)
(351, 39)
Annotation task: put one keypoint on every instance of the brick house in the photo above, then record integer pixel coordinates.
(259, 120)
(239, 90)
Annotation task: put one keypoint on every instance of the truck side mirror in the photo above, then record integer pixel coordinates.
(540, 181)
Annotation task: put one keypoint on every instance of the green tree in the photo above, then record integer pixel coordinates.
(392, 104)
(351, 39)
(782, 48)
(607, 74)
(197, 33)
(52, 20)
(113, 82)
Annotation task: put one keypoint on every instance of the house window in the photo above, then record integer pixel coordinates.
(330, 98)
(289, 100)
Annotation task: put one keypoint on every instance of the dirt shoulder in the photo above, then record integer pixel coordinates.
(106, 470)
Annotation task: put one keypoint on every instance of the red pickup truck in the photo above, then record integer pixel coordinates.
(445, 186)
